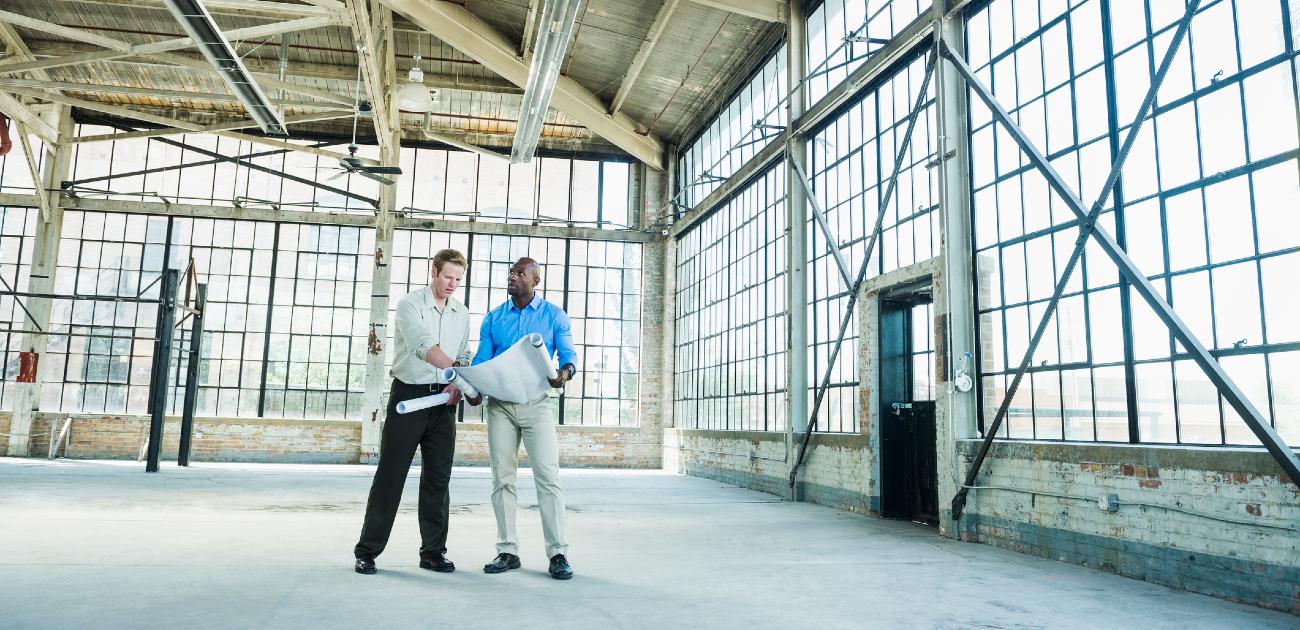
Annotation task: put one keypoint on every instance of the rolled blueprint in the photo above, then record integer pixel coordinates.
(459, 381)
(518, 375)
(416, 404)
(535, 340)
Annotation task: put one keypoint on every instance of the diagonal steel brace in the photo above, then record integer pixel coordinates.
(820, 214)
(856, 287)
(1266, 434)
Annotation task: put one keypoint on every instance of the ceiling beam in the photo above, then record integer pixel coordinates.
(198, 63)
(374, 61)
(188, 127)
(473, 148)
(643, 54)
(526, 42)
(24, 115)
(64, 31)
(456, 26)
(17, 110)
(100, 88)
(226, 126)
(227, 7)
(119, 49)
(766, 10)
(297, 69)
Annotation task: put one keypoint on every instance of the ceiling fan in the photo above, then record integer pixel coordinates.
(353, 164)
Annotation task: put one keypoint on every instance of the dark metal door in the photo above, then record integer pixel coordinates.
(909, 480)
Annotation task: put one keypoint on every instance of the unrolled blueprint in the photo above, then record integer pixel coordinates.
(517, 375)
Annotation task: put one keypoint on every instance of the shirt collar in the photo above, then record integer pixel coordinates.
(535, 304)
(452, 303)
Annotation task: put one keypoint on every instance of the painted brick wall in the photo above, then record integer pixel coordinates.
(317, 441)
(835, 475)
(1240, 560)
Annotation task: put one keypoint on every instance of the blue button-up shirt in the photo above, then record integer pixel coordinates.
(507, 324)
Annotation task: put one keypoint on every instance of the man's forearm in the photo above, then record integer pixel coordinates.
(437, 358)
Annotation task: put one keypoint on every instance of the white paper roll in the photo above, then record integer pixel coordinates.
(542, 357)
(459, 381)
(416, 404)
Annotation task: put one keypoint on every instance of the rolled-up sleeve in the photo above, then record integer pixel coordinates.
(413, 329)
(564, 351)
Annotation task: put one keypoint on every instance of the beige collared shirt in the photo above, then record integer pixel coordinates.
(420, 325)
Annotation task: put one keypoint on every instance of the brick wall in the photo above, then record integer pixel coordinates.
(1152, 536)
(314, 441)
(836, 472)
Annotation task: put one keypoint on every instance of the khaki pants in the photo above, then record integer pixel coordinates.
(534, 424)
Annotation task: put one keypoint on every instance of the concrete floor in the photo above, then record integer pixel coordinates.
(103, 544)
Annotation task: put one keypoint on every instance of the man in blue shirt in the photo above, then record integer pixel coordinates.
(532, 422)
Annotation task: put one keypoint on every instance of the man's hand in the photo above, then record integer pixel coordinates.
(437, 358)
(454, 392)
(563, 376)
(475, 401)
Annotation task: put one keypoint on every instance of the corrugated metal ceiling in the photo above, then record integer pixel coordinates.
(700, 49)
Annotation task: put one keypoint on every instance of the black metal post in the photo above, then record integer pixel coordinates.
(162, 356)
(192, 377)
(856, 287)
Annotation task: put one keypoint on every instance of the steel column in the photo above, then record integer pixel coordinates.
(957, 410)
(192, 376)
(162, 359)
(796, 243)
(856, 287)
(1286, 459)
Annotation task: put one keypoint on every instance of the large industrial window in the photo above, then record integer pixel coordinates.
(103, 362)
(730, 324)
(17, 229)
(288, 304)
(1208, 207)
(235, 259)
(597, 283)
(739, 131)
(843, 33)
(850, 161)
(317, 360)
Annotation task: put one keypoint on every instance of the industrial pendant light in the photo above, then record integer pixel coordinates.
(414, 97)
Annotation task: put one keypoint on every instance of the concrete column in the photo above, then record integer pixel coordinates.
(796, 239)
(45, 257)
(955, 300)
(655, 396)
(376, 357)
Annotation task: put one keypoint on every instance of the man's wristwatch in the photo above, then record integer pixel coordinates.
(570, 370)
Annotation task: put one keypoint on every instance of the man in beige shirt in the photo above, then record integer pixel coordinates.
(431, 328)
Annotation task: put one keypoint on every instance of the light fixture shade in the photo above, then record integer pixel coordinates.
(414, 97)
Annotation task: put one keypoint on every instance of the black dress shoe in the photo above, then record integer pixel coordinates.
(437, 562)
(502, 563)
(560, 568)
(366, 565)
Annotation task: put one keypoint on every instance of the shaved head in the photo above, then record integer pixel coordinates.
(525, 275)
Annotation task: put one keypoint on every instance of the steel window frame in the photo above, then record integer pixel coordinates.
(1286, 459)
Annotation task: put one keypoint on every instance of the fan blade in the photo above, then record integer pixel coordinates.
(335, 176)
(382, 180)
(382, 170)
